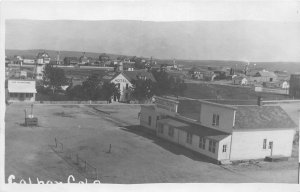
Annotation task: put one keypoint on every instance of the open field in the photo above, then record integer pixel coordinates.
(205, 90)
(136, 156)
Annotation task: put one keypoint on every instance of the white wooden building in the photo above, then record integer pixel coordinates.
(223, 133)
(124, 82)
(21, 90)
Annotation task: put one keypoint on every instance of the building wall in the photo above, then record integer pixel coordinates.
(226, 117)
(249, 144)
(121, 81)
(294, 89)
(180, 137)
(145, 113)
(21, 97)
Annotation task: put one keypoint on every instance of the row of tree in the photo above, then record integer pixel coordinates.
(93, 88)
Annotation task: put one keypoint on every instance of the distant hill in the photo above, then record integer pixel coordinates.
(53, 53)
(186, 40)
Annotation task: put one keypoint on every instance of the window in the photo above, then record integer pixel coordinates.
(149, 120)
(224, 148)
(202, 141)
(189, 138)
(160, 128)
(265, 144)
(215, 120)
(212, 146)
(171, 131)
(126, 86)
(270, 144)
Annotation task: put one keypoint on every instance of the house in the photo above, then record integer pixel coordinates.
(265, 76)
(223, 133)
(83, 60)
(71, 61)
(43, 58)
(21, 90)
(240, 80)
(124, 80)
(29, 60)
(104, 57)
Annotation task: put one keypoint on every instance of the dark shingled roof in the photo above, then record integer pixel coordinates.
(262, 117)
(132, 75)
(195, 129)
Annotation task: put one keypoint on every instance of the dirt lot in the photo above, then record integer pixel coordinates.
(135, 157)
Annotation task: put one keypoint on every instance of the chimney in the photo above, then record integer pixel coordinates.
(259, 101)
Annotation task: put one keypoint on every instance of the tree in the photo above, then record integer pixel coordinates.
(75, 93)
(92, 87)
(54, 78)
(143, 89)
(109, 90)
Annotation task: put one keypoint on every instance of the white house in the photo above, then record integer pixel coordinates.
(42, 59)
(223, 133)
(21, 90)
(124, 82)
(239, 80)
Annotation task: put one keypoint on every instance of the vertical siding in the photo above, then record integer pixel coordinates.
(145, 113)
(226, 117)
(180, 138)
(249, 144)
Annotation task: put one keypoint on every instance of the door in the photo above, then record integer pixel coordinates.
(271, 147)
(225, 151)
(22, 96)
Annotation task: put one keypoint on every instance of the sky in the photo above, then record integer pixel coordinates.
(154, 10)
(263, 42)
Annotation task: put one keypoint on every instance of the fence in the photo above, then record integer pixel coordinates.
(268, 90)
(82, 165)
(71, 102)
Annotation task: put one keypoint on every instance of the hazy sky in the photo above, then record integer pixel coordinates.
(156, 10)
(274, 39)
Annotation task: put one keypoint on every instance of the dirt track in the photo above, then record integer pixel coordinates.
(136, 157)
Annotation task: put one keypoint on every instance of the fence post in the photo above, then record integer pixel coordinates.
(62, 146)
(85, 165)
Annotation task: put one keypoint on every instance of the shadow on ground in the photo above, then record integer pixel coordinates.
(172, 147)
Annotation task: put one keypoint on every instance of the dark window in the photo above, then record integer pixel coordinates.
(149, 120)
(126, 86)
(265, 144)
(202, 141)
(160, 128)
(224, 148)
(189, 138)
(215, 121)
(171, 131)
(212, 146)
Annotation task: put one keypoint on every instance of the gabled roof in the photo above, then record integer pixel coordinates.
(133, 75)
(262, 117)
(42, 54)
(266, 74)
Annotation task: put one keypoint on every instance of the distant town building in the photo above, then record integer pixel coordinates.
(83, 59)
(223, 133)
(294, 89)
(21, 90)
(264, 76)
(43, 58)
(240, 80)
(104, 57)
(71, 61)
(124, 82)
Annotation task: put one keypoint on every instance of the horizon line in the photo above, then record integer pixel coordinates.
(177, 59)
